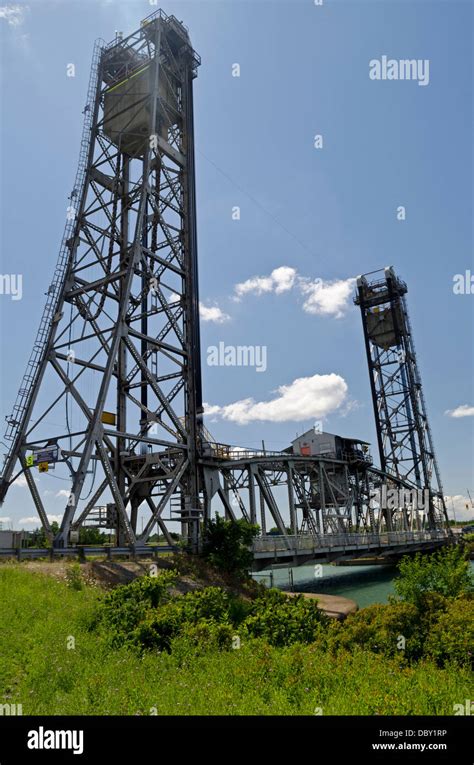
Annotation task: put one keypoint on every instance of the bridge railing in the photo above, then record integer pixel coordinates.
(310, 542)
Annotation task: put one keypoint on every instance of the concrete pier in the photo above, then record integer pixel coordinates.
(333, 605)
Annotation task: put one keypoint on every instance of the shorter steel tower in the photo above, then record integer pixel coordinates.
(403, 432)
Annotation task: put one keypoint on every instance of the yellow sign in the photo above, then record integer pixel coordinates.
(108, 418)
(29, 461)
(43, 467)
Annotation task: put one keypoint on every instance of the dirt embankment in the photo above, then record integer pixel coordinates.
(192, 573)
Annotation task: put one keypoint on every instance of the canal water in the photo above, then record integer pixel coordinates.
(364, 584)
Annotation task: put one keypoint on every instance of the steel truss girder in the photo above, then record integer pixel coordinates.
(322, 496)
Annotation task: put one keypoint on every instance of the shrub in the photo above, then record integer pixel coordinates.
(226, 545)
(122, 610)
(445, 572)
(438, 628)
(379, 628)
(282, 620)
(156, 628)
(451, 637)
(207, 635)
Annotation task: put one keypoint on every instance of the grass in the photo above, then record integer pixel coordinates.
(40, 614)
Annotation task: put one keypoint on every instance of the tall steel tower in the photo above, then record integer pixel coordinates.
(112, 392)
(403, 432)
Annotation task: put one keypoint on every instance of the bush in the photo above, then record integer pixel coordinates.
(445, 572)
(143, 616)
(468, 544)
(441, 629)
(122, 610)
(206, 635)
(379, 628)
(226, 545)
(451, 637)
(184, 616)
(282, 620)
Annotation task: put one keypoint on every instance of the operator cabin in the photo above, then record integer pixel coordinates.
(315, 443)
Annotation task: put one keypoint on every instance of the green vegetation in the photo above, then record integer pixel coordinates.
(441, 629)
(70, 648)
(445, 572)
(469, 544)
(226, 544)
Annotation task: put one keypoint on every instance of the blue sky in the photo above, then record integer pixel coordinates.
(327, 213)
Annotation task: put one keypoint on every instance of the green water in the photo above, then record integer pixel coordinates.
(364, 584)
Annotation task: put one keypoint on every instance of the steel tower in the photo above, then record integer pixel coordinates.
(113, 385)
(111, 401)
(403, 433)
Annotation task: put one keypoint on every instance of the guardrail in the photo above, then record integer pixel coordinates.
(22, 553)
(302, 542)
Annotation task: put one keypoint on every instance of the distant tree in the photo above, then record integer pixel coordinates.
(38, 537)
(276, 532)
(92, 536)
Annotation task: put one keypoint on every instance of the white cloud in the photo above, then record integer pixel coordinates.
(462, 507)
(5, 519)
(33, 520)
(20, 481)
(461, 411)
(14, 15)
(283, 278)
(63, 493)
(303, 399)
(280, 280)
(212, 313)
(329, 298)
(211, 409)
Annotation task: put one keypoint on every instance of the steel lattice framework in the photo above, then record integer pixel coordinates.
(403, 431)
(121, 330)
(112, 398)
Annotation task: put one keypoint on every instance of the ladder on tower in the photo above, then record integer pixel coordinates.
(16, 421)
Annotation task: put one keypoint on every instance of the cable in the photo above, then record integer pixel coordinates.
(256, 202)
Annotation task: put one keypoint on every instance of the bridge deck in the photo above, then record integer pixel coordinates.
(302, 548)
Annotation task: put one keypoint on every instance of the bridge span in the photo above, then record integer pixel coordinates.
(297, 550)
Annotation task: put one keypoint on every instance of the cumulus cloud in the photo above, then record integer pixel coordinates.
(33, 520)
(329, 298)
(20, 481)
(5, 519)
(280, 280)
(14, 15)
(212, 313)
(461, 411)
(303, 399)
(462, 507)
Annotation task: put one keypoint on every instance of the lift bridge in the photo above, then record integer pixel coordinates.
(111, 400)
